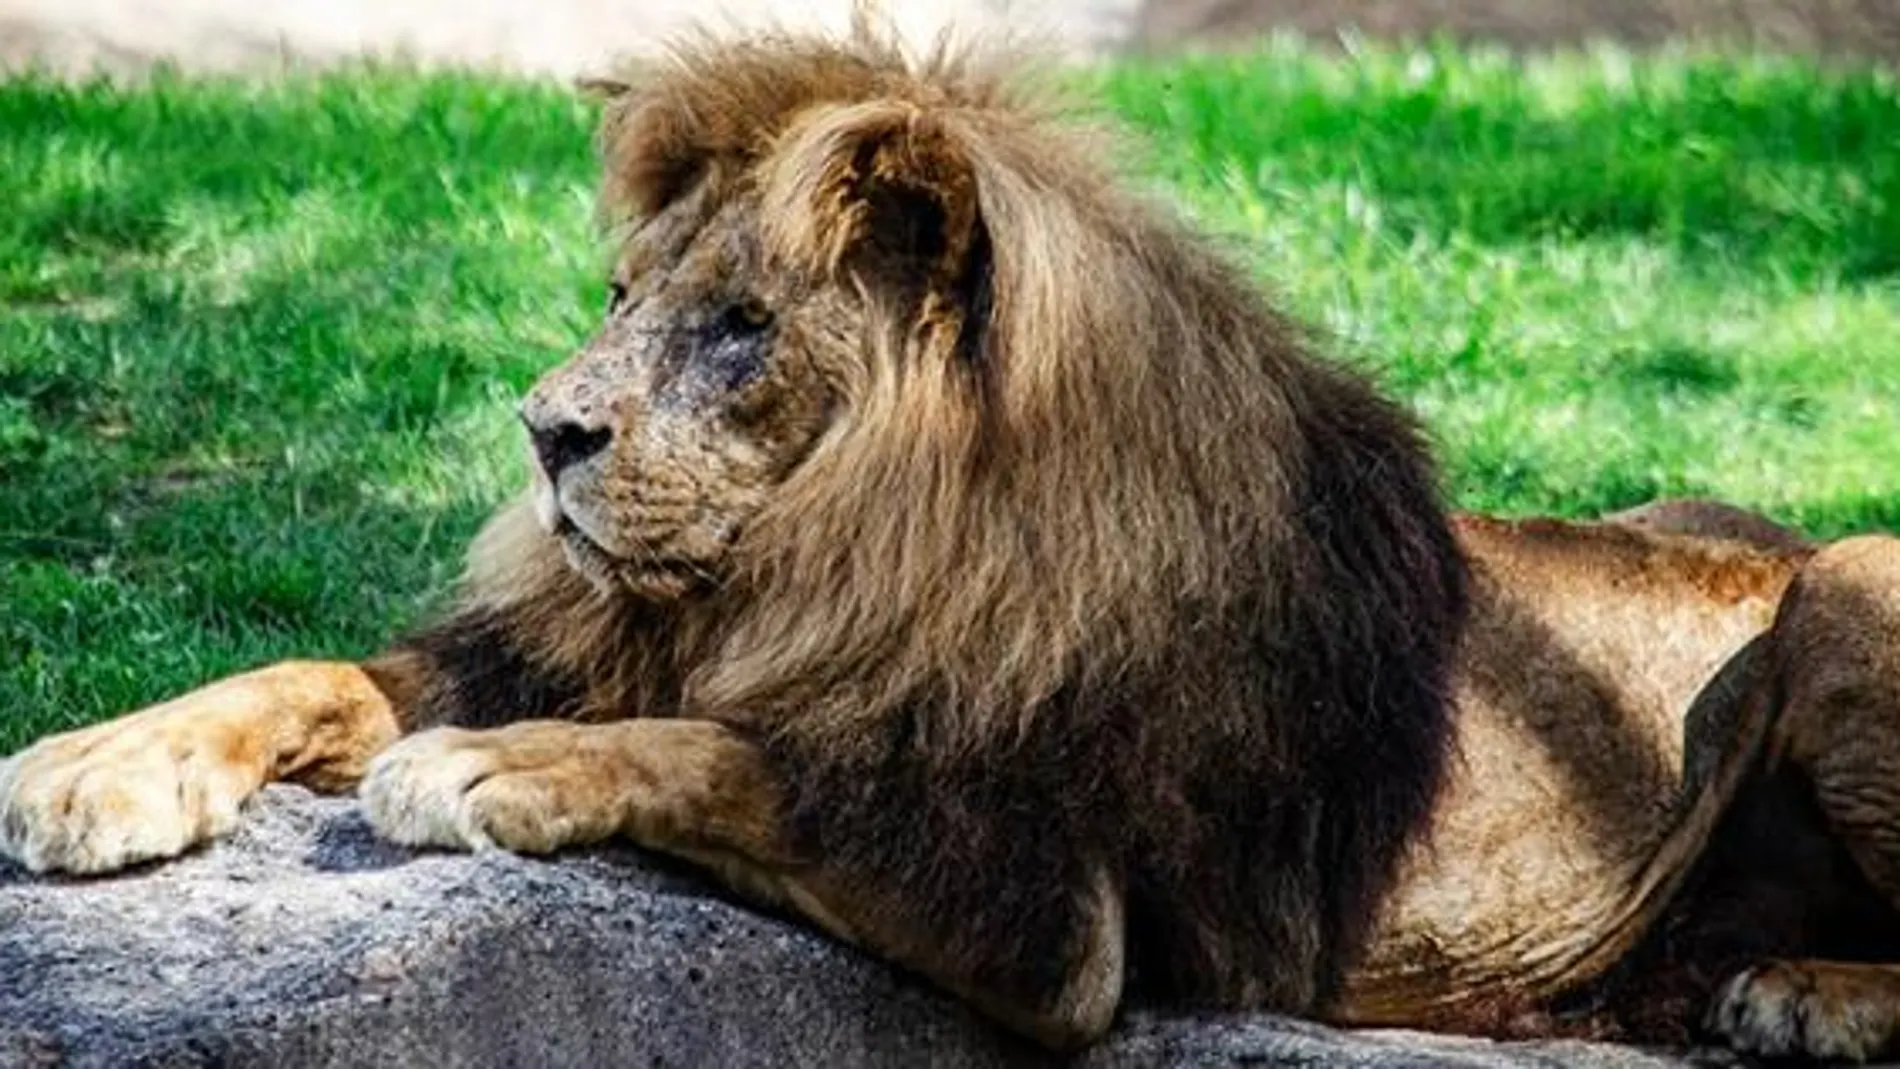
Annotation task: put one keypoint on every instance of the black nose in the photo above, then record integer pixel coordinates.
(560, 445)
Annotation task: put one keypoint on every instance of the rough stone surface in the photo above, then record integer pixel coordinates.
(303, 941)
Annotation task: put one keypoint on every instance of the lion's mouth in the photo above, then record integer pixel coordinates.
(652, 576)
(583, 552)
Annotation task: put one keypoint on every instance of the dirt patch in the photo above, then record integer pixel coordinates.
(561, 38)
(565, 38)
(1868, 28)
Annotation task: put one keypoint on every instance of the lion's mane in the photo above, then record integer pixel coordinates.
(1100, 568)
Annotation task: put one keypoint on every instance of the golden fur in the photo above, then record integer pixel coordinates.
(941, 542)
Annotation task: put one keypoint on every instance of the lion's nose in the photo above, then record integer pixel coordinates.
(561, 444)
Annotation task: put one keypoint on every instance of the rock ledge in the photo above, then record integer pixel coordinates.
(304, 941)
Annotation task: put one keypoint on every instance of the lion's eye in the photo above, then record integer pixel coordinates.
(616, 296)
(735, 343)
(746, 316)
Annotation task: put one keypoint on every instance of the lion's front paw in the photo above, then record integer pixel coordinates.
(530, 787)
(145, 786)
(1809, 1009)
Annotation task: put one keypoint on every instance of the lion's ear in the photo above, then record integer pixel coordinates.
(602, 88)
(885, 189)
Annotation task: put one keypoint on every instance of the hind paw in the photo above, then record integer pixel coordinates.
(1812, 1009)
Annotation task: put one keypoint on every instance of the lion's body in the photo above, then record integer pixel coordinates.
(1580, 796)
(946, 545)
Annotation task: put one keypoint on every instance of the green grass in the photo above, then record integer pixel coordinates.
(257, 342)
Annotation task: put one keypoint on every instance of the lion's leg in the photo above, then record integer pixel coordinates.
(1838, 649)
(155, 782)
(698, 790)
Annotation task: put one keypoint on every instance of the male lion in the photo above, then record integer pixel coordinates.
(940, 542)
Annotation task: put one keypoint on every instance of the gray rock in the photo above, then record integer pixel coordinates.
(303, 940)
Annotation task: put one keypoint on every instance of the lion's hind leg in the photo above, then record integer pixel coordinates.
(1816, 1009)
(1839, 639)
(1837, 645)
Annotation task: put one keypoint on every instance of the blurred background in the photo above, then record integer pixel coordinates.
(564, 37)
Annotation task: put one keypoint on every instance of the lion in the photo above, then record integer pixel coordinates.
(941, 541)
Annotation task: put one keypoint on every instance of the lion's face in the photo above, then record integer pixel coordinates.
(703, 389)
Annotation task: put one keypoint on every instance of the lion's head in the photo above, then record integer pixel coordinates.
(983, 490)
(798, 254)
(709, 383)
(892, 360)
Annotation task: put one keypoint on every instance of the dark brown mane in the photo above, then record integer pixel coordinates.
(1101, 571)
